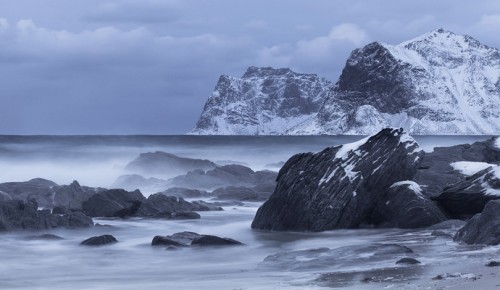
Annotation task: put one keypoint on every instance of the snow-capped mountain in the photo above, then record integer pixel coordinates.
(437, 83)
(265, 101)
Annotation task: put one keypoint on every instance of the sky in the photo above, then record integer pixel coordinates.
(148, 66)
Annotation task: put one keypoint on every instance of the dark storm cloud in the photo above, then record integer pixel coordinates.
(130, 66)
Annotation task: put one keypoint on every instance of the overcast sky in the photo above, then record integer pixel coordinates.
(148, 66)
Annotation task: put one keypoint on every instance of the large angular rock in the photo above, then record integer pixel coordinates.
(20, 215)
(186, 192)
(166, 164)
(112, 203)
(72, 196)
(470, 196)
(405, 206)
(136, 181)
(339, 187)
(37, 188)
(483, 228)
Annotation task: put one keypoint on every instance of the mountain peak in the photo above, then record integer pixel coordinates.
(445, 40)
(261, 72)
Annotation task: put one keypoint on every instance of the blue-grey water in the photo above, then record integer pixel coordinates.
(134, 264)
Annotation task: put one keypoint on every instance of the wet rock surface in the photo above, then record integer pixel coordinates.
(186, 239)
(340, 187)
(483, 228)
(99, 241)
(20, 215)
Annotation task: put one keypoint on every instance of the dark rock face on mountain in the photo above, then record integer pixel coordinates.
(435, 171)
(341, 186)
(264, 101)
(20, 215)
(437, 83)
(166, 164)
(186, 239)
(222, 176)
(470, 196)
(99, 241)
(405, 206)
(113, 203)
(483, 228)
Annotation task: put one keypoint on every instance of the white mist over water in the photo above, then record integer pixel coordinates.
(97, 161)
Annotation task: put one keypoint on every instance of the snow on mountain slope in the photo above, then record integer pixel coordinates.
(437, 83)
(265, 101)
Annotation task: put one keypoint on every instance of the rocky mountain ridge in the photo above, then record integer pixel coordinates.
(437, 83)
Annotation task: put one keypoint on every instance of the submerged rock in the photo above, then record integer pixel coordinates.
(44, 237)
(483, 228)
(408, 261)
(341, 186)
(186, 239)
(99, 240)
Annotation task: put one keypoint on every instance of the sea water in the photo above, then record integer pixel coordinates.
(133, 263)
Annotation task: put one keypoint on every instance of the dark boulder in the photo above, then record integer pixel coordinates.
(72, 196)
(405, 206)
(470, 196)
(339, 187)
(166, 164)
(186, 192)
(483, 228)
(38, 188)
(112, 203)
(208, 240)
(223, 176)
(20, 215)
(408, 261)
(436, 173)
(99, 240)
(181, 215)
(242, 193)
(186, 239)
(158, 204)
(324, 258)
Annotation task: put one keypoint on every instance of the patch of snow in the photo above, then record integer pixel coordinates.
(346, 148)
(469, 168)
(354, 193)
(412, 185)
(327, 178)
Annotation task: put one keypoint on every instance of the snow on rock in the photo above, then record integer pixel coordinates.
(469, 168)
(340, 186)
(412, 185)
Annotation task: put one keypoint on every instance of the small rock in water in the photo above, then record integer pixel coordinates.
(408, 261)
(99, 240)
(493, 264)
(186, 239)
(44, 237)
